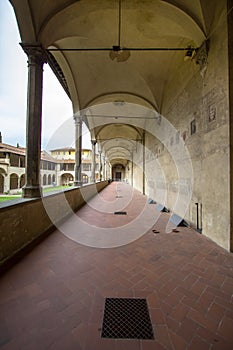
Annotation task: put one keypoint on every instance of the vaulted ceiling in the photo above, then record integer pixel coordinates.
(93, 77)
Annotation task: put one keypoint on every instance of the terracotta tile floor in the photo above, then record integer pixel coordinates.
(54, 297)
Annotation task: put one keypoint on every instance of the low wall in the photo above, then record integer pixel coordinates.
(24, 221)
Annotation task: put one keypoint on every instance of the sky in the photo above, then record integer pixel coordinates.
(57, 107)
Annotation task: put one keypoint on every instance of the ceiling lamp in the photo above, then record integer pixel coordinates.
(120, 53)
(189, 53)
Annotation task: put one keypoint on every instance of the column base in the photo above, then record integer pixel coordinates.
(32, 192)
(78, 183)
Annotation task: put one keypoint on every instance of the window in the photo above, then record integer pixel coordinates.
(86, 166)
(70, 167)
(85, 179)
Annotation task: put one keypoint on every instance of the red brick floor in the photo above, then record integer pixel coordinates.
(54, 297)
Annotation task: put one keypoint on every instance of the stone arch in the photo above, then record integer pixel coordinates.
(2, 179)
(22, 180)
(1, 183)
(14, 180)
(66, 178)
(53, 179)
(49, 179)
(118, 172)
(44, 180)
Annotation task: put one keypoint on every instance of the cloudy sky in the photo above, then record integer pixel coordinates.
(57, 108)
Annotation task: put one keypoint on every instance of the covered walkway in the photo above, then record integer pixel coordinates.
(54, 297)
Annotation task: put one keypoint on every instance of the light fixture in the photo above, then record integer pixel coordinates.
(189, 53)
(120, 53)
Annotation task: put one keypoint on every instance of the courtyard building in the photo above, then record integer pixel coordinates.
(56, 168)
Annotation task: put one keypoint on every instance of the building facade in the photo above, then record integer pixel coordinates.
(56, 168)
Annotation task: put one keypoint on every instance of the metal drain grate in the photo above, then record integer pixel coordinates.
(120, 213)
(126, 319)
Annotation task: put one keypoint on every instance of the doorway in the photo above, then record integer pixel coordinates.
(118, 175)
(118, 172)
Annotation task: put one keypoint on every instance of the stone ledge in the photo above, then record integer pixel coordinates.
(25, 222)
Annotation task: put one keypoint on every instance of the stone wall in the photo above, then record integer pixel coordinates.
(196, 102)
(24, 220)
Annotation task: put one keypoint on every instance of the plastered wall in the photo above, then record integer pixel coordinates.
(196, 103)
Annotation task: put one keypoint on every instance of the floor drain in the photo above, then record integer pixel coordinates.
(120, 213)
(126, 319)
(119, 197)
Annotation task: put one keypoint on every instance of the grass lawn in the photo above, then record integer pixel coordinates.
(56, 188)
(49, 189)
(8, 198)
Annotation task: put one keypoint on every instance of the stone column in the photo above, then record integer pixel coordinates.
(143, 162)
(93, 164)
(104, 167)
(36, 59)
(78, 151)
(230, 70)
(132, 170)
(100, 165)
(6, 183)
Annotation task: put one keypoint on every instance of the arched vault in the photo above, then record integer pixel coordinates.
(72, 24)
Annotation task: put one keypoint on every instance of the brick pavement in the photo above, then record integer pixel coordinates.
(54, 297)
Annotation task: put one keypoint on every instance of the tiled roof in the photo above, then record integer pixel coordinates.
(12, 149)
(46, 156)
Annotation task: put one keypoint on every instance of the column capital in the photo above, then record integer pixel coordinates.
(35, 52)
(93, 142)
(77, 118)
(79, 114)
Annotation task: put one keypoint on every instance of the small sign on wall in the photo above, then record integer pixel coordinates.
(193, 127)
(212, 113)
